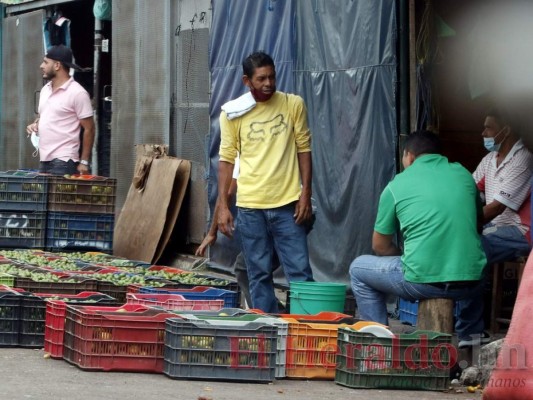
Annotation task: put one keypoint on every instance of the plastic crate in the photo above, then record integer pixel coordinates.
(173, 302)
(199, 293)
(77, 231)
(323, 317)
(10, 308)
(95, 195)
(205, 350)
(7, 280)
(23, 191)
(408, 311)
(281, 349)
(116, 291)
(55, 317)
(105, 339)
(19, 229)
(311, 350)
(203, 280)
(420, 360)
(63, 286)
(33, 313)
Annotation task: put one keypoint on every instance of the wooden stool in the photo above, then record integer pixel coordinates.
(435, 315)
(498, 270)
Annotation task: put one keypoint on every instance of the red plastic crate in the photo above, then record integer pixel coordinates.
(106, 339)
(173, 302)
(55, 317)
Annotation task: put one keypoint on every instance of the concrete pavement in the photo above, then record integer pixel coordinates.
(26, 374)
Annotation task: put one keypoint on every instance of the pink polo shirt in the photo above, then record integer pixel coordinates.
(60, 113)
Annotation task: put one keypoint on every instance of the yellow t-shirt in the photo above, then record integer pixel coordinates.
(268, 139)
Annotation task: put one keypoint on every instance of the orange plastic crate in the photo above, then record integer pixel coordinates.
(311, 349)
(127, 338)
(173, 302)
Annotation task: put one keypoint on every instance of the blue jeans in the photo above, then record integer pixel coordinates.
(502, 243)
(263, 232)
(59, 167)
(373, 278)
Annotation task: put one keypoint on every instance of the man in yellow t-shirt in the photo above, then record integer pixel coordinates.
(274, 183)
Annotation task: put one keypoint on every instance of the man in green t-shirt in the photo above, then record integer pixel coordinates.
(435, 205)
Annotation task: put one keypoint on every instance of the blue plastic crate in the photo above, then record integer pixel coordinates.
(22, 229)
(80, 231)
(23, 191)
(230, 298)
(409, 311)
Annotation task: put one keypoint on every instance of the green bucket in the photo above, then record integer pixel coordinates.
(313, 297)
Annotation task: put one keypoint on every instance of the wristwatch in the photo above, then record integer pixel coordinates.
(85, 162)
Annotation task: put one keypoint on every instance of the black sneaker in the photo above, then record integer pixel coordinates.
(475, 340)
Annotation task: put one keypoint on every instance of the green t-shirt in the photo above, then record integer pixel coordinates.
(434, 205)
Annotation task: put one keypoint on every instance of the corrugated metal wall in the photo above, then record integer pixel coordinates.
(141, 83)
(22, 53)
(161, 90)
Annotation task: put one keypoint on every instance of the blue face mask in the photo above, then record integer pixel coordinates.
(490, 144)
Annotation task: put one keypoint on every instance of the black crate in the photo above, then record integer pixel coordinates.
(9, 319)
(95, 195)
(32, 317)
(20, 229)
(63, 286)
(78, 231)
(23, 191)
(200, 350)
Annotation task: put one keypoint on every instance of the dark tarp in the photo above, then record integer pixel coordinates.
(340, 57)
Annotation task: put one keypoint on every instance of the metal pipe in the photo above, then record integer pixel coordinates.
(96, 90)
(404, 72)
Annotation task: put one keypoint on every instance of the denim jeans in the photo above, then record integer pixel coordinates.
(263, 232)
(373, 278)
(59, 167)
(502, 243)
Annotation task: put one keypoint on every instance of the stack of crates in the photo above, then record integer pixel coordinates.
(23, 205)
(81, 213)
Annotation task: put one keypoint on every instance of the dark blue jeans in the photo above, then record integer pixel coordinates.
(263, 232)
(59, 167)
(373, 278)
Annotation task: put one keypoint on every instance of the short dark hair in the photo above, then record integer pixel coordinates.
(501, 116)
(256, 60)
(423, 142)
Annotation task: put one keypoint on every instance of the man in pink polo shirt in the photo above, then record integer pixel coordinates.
(64, 108)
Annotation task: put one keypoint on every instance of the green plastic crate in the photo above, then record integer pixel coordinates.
(417, 361)
(7, 280)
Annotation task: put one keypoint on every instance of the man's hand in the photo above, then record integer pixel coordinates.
(83, 169)
(33, 127)
(209, 240)
(225, 221)
(303, 210)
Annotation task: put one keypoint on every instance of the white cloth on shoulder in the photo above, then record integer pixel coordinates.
(239, 106)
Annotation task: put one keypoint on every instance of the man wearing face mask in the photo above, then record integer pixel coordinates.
(503, 178)
(269, 130)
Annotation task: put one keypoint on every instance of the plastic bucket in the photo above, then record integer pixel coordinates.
(314, 297)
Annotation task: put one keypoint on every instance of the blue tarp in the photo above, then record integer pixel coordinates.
(340, 57)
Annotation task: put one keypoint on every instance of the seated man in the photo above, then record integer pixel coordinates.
(503, 177)
(434, 204)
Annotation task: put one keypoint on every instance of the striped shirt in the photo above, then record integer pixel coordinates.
(510, 184)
